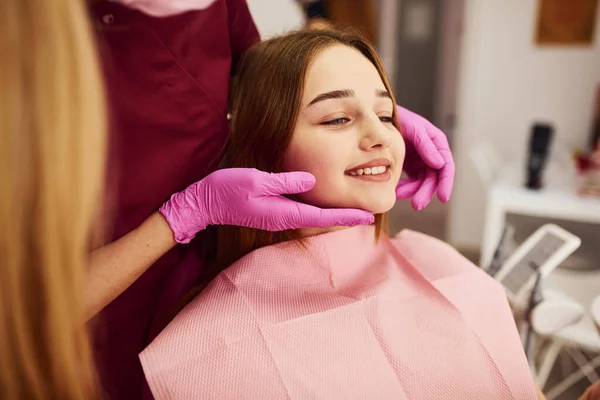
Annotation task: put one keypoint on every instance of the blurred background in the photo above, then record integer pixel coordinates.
(516, 87)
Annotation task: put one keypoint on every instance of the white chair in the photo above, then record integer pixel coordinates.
(555, 313)
(582, 336)
(552, 305)
(549, 312)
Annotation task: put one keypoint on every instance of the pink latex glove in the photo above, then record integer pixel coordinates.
(165, 8)
(428, 163)
(251, 198)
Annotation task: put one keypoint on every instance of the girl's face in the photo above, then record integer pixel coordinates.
(345, 134)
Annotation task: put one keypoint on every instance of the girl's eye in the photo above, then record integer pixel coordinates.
(337, 121)
(386, 120)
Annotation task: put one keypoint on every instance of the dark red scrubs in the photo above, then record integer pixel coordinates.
(167, 82)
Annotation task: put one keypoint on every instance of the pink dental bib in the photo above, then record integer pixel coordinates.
(344, 318)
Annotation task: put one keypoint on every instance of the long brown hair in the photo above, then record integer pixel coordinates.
(265, 102)
(52, 133)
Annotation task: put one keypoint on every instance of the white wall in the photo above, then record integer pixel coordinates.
(274, 17)
(506, 84)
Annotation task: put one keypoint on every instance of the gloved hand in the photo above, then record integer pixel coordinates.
(165, 8)
(428, 162)
(251, 198)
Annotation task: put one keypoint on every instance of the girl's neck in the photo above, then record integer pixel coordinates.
(306, 232)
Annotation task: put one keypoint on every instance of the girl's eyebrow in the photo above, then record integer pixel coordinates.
(344, 93)
(334, 94)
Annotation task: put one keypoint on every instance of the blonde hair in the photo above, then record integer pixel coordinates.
(52, 148)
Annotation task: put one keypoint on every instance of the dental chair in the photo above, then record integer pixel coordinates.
(577, 340)
(550, 305)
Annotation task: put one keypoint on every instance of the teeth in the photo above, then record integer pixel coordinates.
(369, 171)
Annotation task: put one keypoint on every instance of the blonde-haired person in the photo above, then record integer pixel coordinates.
(52, 134)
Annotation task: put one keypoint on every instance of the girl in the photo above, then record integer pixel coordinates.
(334, 313)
